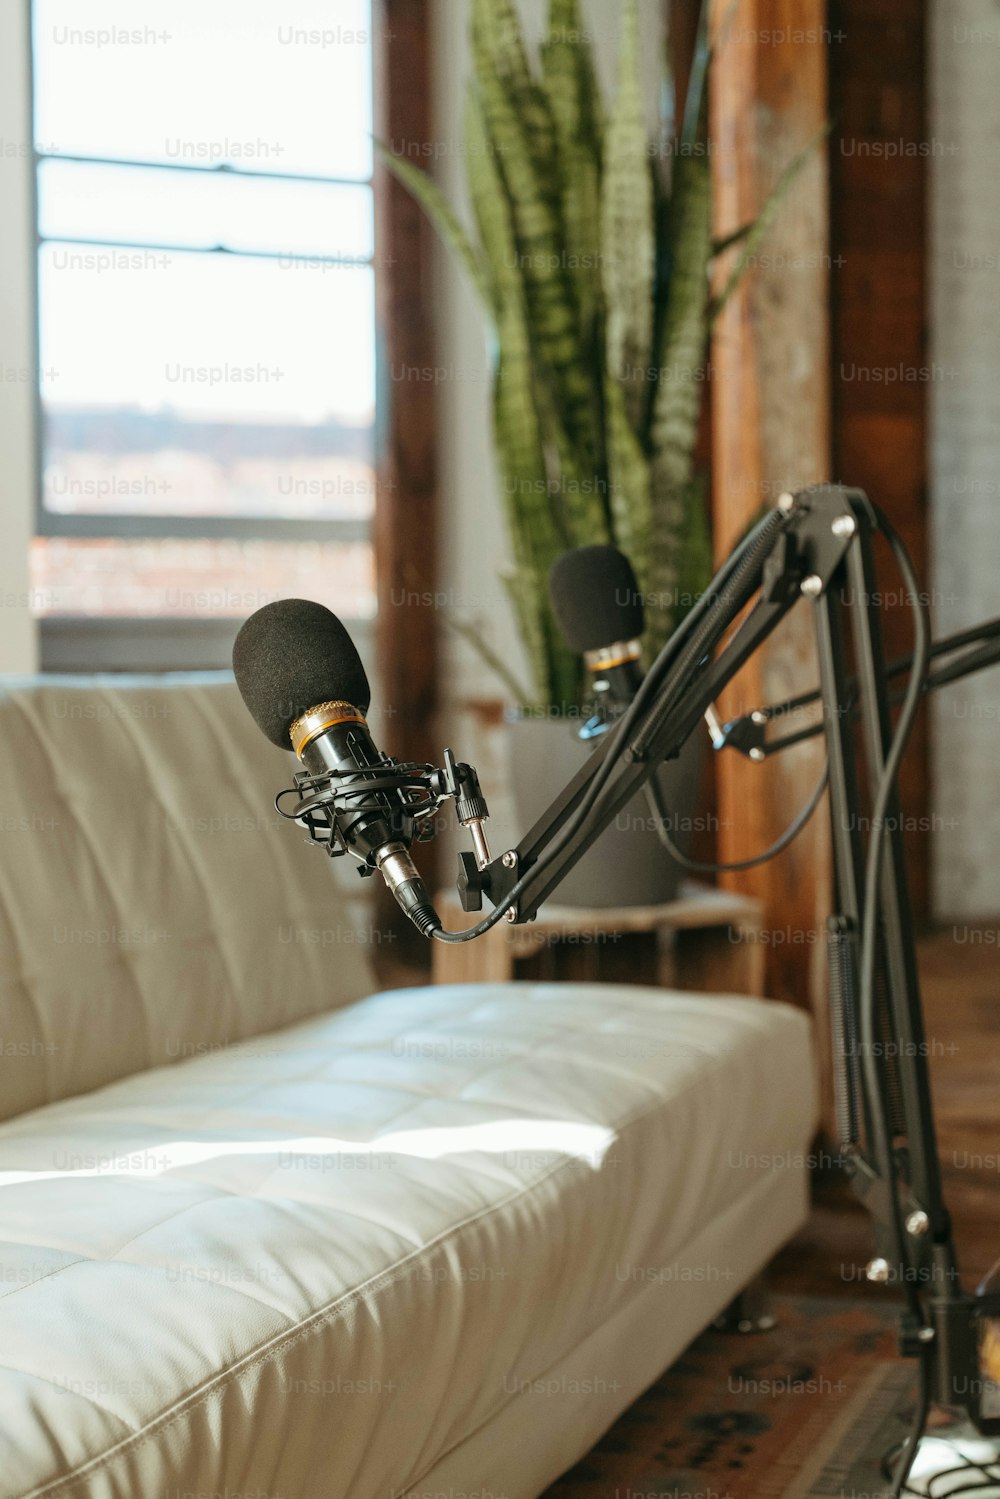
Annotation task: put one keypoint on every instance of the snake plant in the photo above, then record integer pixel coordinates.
(593, 271)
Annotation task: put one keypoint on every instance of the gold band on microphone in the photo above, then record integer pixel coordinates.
(617, 654)
(323, 716)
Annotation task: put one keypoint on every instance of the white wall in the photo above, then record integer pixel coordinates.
(965, 441)
(470, 525)
(18, 377)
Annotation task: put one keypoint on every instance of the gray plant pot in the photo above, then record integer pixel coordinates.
(628, 865)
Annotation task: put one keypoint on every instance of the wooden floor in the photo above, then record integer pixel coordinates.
(961, 986)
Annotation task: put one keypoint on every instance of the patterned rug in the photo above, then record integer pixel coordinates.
(804, 1411)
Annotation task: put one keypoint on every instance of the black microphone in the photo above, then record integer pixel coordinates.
(302, 681)
(598, 607)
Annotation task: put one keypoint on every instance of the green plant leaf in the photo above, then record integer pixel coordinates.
(441, 214)
(697, 562)
(680, 372)
(552, 310)
(490, 203)
(574, 493)
(570, 81)
(574, 103)
(498, 41)
(476, 635)
(571, 496)
(678, 574)
(628, 261)
(696, 98)
(628, 472)
(754, 234)
(537, 538)
(680, 379)
(720, 246)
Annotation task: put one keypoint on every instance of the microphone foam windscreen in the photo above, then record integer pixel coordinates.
(291, 655)
(595, 598)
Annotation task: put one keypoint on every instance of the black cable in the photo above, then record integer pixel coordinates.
(869, 950)
(873, 871)
(981, 1486)
(917, 1426)
(966, 1465)
(777, 847)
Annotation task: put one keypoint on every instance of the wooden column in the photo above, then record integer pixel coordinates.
(405, 531)
(770, 432)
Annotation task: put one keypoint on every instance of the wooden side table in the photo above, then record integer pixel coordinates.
(716, 944)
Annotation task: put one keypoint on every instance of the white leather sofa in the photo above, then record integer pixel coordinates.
(260, 1235)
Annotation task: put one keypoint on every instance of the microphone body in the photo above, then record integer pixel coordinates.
(374, 825)
(617, 673)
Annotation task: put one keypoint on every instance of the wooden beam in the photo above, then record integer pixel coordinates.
(405, 522)
(770, 432)
(405, 529)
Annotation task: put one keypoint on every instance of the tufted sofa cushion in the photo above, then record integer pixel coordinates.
(433, 1243)
(152, 905)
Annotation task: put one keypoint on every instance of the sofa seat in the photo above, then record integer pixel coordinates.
(435, 1241)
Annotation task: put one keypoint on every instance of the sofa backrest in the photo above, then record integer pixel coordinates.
(153, 906)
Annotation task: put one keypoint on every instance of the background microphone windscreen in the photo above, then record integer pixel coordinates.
(595, 598)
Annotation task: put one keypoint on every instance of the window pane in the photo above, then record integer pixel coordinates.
(150, 206)
(195, 384)
(191, 578)
(266, 85)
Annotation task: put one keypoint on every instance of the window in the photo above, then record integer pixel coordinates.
(205, 306)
